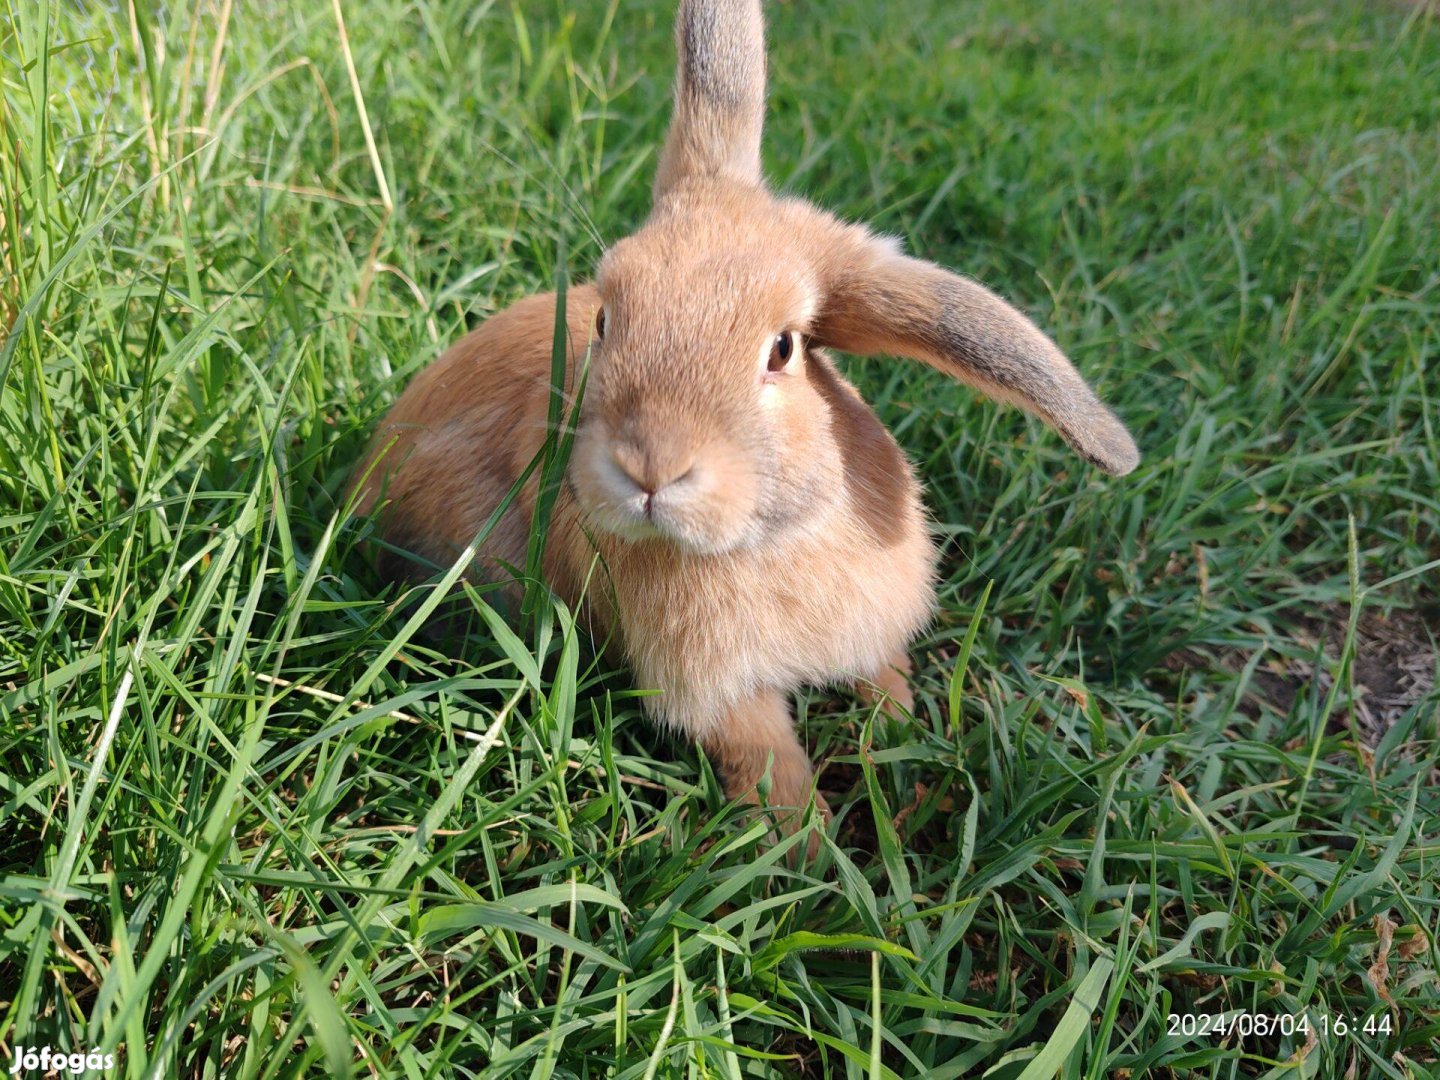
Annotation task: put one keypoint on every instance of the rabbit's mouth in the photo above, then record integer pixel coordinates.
(667, 517)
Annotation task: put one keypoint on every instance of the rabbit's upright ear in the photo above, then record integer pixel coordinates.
(719, 93)
(879, 301)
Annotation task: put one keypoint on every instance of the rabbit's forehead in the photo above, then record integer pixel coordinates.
(744, 291)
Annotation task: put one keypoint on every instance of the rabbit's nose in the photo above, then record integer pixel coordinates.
(649, 473)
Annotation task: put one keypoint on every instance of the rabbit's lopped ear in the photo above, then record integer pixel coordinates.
(719, 93)
(879, 301)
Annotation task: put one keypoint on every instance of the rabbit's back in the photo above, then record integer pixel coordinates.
(455, 442)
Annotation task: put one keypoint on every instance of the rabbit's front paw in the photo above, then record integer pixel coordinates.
(890, 688)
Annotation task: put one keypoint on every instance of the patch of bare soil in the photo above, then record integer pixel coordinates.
(1394, 667)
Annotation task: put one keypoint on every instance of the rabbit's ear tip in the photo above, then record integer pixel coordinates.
(1121, 466)
(1110, 447)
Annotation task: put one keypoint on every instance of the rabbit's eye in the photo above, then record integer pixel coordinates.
(781, 350)
(600, 325)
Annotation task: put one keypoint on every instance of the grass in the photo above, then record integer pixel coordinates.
(252, 825)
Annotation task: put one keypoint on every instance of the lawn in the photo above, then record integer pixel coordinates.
(1175, 744)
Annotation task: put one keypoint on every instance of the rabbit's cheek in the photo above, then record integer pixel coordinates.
(711, 513)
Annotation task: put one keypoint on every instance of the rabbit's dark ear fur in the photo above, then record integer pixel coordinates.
(719, 94)
(879, 301)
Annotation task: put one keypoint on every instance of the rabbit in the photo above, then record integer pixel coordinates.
(751, 525)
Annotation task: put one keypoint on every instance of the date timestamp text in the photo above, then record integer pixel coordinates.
(1245, 1025)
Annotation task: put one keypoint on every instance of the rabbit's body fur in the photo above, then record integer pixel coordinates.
(736, 517)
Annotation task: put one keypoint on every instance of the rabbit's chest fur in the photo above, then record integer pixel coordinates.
(832, 606)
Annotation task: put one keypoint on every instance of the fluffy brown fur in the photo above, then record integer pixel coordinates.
(758, 528)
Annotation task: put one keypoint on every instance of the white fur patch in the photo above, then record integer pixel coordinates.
(893, 245)
(809, 303)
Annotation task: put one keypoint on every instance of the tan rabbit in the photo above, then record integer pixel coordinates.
(758, 527)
